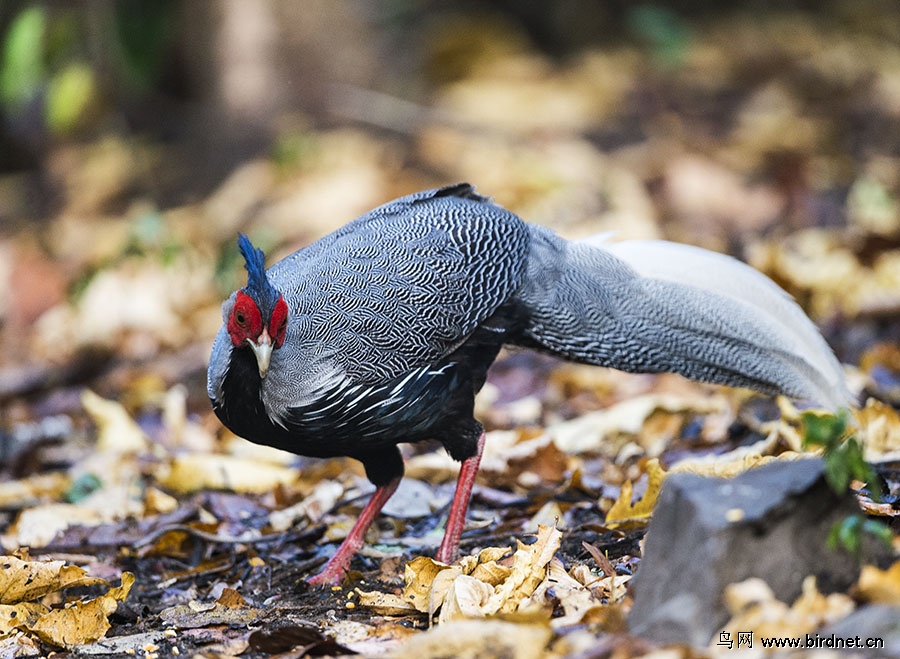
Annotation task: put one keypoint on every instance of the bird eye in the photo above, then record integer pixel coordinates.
(240, 318)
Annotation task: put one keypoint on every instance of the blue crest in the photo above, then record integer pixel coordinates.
(258, 285)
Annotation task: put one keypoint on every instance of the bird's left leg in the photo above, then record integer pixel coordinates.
(384, 467)
(456, 518)
(336, 568)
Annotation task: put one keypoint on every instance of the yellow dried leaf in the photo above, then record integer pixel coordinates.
(24, 581)
(116, 430)
(82, 622)
(528, 570)
(419, 575)
(440, 587)
(754, 607)
(19, 493)
(623, 510)
(576, 600)
(732, 464)
(477, 638)
(491, 573)
(157, 501)
(386, 604)
(489, 554)
(468, 597)
(197, 471)
(882, 586)
(13, 616)
(232, 599)
(879, 431)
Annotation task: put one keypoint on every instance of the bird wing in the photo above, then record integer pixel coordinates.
(405, 284)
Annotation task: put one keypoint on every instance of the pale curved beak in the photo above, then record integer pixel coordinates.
(263, 351)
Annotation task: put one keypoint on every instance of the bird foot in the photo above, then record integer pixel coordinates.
(332, 575)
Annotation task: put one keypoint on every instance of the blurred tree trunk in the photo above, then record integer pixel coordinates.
(231, 55)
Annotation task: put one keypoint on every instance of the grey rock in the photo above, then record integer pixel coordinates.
(771, 522)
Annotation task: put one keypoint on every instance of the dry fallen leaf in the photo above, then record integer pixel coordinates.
(577, 600)
(312, 507)
(475, 586)
(116, 430)
(26, 581)
(596, 432)
(623, 511)
(196, 614)
(81, 622)
(879, 431)
(754, 608)
(385, 604)
(466, 598)
(470, 639)
(34, 488)
(881, 586)
(419, 575)
(198, 471)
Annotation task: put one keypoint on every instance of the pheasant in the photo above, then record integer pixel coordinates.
(383, 331)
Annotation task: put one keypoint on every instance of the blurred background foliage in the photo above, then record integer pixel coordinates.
(222, 79)
(136, 139)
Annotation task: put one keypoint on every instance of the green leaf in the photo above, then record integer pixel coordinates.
(83, 487)
(880, 531)
(837, 472)
(849, 533)
(69, 97)
(823, 429)
(22, 67)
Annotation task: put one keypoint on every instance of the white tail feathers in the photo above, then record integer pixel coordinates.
(722, 275)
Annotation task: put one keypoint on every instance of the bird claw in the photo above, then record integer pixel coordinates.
(332, 575)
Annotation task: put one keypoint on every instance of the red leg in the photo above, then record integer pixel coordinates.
(335, 569)
(456, 519)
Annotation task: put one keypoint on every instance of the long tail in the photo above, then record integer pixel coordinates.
(656, 306)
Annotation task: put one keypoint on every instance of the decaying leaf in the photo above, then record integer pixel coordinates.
(528, 570)
(477, 638)
(385, 604)
(879, 431)
(197, 471)
(881, 586)
(27, 491)
(577, 600)
(313, 507)
(14, 616)
(26, 581)
(116, 430)
(624, 511)
(475, 586)
(81, 622)
(754, 607)
(195, 614)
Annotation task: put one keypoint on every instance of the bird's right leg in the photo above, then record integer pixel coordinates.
(336, 568)
(456, 518)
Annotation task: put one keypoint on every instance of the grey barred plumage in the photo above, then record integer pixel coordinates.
(393, 320)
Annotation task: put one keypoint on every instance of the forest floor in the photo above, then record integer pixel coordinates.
(134, 524)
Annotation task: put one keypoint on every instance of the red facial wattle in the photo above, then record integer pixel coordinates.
(245, 321)
(278, 323)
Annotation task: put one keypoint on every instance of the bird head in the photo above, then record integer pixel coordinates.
(258, 319)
